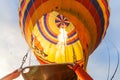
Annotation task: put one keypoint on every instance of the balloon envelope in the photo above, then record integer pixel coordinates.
(62, 31)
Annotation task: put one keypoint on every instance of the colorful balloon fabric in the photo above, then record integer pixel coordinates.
(63, 31)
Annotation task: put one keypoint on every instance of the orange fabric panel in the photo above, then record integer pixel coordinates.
(37, 44)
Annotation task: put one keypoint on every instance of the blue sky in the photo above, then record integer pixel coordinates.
(13, 46)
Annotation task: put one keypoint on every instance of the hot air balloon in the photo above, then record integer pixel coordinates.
(63, 32)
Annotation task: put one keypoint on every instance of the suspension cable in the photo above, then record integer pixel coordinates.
(116, 69)
(24, 59)
(108, 60)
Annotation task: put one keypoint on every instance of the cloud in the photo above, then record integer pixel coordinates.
(9, 11)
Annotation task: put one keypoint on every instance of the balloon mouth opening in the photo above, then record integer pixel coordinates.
(55, 39)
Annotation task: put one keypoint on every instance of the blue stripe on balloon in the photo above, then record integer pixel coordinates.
(26, 13)
(46, 27)
(98, 8)
(40, 30)
(72, 34)
(75, 40)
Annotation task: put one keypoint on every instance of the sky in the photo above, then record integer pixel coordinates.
(13, 45)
